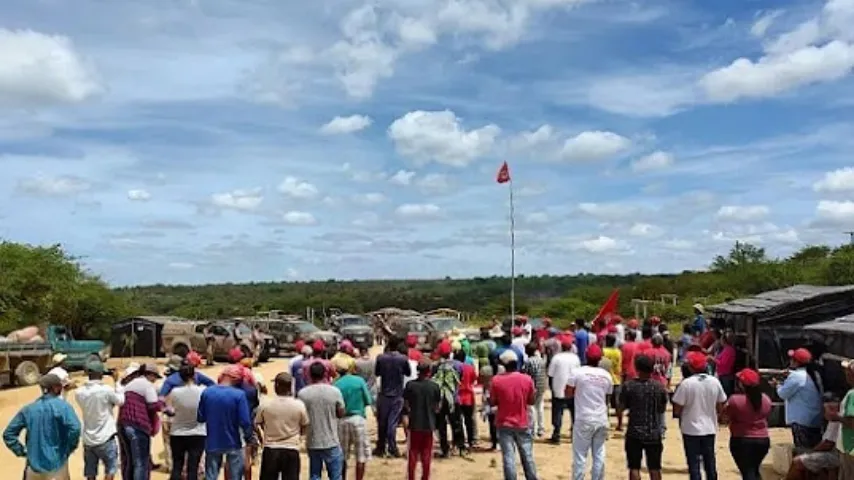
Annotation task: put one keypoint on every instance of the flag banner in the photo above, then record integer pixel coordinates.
(609, 307)
(503, 174)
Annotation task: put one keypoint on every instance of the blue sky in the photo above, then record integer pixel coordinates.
(202, 141)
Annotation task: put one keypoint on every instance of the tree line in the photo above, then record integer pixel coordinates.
(46, 284)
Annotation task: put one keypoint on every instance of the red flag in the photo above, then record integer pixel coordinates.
(610, 306)
(503, 174)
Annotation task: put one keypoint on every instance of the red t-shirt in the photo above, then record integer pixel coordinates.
(744, 421)
(707, 340)
(645, 345)
(415, 354)
(467, 380)
(661, 358)
(628, 350)
(510, 392)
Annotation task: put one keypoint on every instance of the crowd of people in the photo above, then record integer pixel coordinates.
(610, 368)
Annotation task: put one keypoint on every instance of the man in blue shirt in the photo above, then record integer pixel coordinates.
(391, 368)
(582, 339)
(53, 432)
(804, 407)
(224, 409)
(699, 320)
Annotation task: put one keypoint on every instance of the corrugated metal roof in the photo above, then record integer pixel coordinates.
(767, 301)
(842, 324)
(160, 319)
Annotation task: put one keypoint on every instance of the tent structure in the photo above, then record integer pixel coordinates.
(139, 337)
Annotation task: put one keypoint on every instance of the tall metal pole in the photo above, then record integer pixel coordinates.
(512, 258)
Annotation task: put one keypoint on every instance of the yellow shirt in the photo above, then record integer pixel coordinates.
(342, 361)
(615, 357)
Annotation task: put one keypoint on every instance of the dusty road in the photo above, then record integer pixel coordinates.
(553, 462)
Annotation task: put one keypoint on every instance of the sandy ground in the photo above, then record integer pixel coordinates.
(553, 462)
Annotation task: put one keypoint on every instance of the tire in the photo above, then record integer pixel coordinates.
(93, 357)
(27, 373)
(181, 350)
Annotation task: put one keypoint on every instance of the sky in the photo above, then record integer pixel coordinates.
(209, 141)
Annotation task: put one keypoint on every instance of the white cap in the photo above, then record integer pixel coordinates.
(132, 368)
(306, 351)
(59, 358)
(509, 356)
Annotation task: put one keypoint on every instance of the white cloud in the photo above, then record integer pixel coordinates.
(654, 161)
(537, 218)
(418, 210)
(373, 198)
(607, 211)
(841, 212)
(600, 244)
(434, 183)
(343, 125)
(38, 69)
(242, 200)
(295, 188)
(540, 137)
(181, 265)
(677, 244)
(593, 146)
(644, 230)
(363, 57)
(139, 195)
(402, 178)
(764, 22)
(773, 75)
(299, 218)
(59, 186)
(841, 180)
(743, 213)
(439, 137)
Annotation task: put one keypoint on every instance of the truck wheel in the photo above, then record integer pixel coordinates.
(27, 373)
(94, 357)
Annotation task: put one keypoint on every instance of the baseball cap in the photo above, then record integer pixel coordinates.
(567, 340)
(801, 355)
(346, 346)
(95, 366)
(318, 345)
(748, 377)
(306, 351)
(509, 356)
(594, 352)
(696, 361)
(50, 381)
(633, 323)
(411, 341)
(298, 345)
(235, 354)
(444, 348)
(194, 359)
(149, 369)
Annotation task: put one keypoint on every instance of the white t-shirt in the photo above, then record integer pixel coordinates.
(592, 386)
(621, 334)
(699, 396)
(562, 366)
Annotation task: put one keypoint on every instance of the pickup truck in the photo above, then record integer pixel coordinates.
(24, 363)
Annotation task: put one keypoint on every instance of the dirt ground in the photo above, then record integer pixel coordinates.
(553, 462)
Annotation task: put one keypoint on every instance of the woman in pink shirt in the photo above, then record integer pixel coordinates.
(748, 412)
(725, 364)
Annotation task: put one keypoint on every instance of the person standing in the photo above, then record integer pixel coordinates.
(422, 400)
(391, 368)
(352, 428)
(512, 393)
(535, 368)
(53, 432)
(465, 398)
(138, 418)
(725, 364)
(97, 403)
(297, 371)
(366, 368)
(591, 387)
(560, 370)
(325, 405)
(844, 415)
(59, 369)
(447, 375)
(646, 401)
(187, 435)
(224, 409)
(582, 339)
(612, 359)
(551, 345)
(282, 421)
(697, 402)
(804, 406)
(412, 348)
(748, 412)
(699, 319)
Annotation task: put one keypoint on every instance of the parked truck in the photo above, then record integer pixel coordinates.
(23, 363)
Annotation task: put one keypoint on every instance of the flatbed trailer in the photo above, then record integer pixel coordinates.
(23, 363)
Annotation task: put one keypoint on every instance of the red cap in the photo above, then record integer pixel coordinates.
(235, 355)
(801, 355)
(612, 329)
(655, 320)
(318, 346)
(697, 361)
(444, 348)
(516, 331)
(694, 347)
(748, 377)
(194, 359)
(299, 345)
(411, 341)
(633, 324)
(594, 352)
(567, 340)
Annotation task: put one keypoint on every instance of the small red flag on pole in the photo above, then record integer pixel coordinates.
(503, 174)
(608, 308)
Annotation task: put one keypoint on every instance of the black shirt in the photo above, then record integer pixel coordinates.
(646, 401)
(391, 368)
(422, 397)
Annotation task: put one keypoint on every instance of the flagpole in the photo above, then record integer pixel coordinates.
(512, 258)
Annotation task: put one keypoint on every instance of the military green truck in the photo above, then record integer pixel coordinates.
(23, 363)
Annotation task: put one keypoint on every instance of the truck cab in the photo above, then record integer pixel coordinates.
(79, 351)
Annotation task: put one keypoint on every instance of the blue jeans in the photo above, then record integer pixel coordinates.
(588, 438)
(333, 458)
(213, 463)
(511, 439)
(700, 449)
(106, 453)
(139, 446)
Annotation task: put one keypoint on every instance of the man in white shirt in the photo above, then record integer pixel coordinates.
(591, 387)
(97, 403)
(697, 402)
(559, 371)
